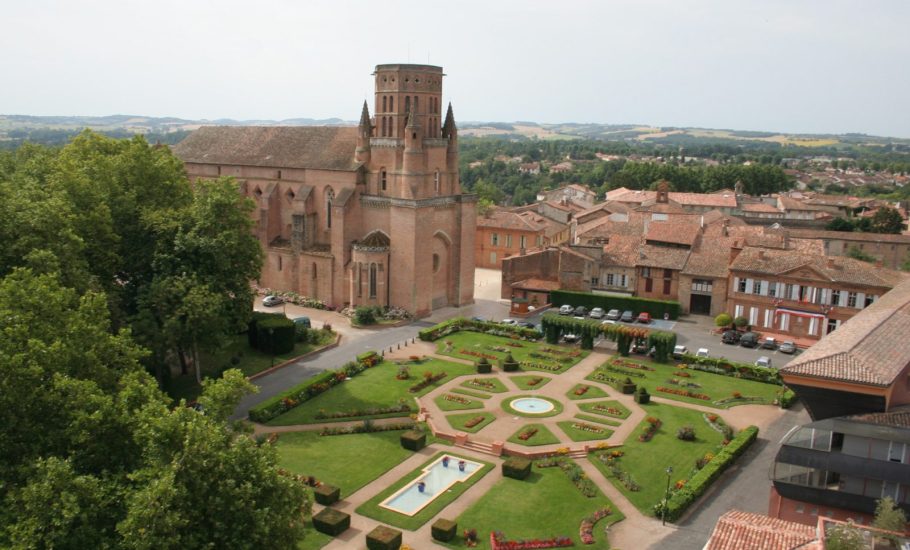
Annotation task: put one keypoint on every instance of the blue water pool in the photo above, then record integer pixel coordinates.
(532, 405)
(437, 479)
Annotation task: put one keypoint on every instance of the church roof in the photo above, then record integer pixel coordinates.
(315, 147)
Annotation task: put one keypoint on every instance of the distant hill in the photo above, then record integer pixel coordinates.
(55, 130)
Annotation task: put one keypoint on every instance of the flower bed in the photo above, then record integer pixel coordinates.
(367, 427)
(717, 423)
(527, 434)
(474, 421)
(630, 365)
(540, 366)
(585, 427)
(457, 399)
(473, 353)
(626, 372)
(581, 390)
(653, 424)
(612, 411)
(498, 541)
(682, 374)
(586, 529)
(534, 381)
(485, 384)
(573, 471)
(426, 382)
(402, 407)
(684, 393)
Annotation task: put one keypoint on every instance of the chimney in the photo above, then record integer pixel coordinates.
(735, 250)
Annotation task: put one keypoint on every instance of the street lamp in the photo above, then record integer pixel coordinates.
(272, 345)
(663, 516)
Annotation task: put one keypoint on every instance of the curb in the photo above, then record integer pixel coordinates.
(270, 370)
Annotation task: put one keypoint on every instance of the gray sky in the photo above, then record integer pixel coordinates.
(783, 65)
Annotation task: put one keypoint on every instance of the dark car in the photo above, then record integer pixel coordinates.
(769, 343)
(303, 322)
(527, 324)
(580, 311)
(627, 316)
(749, 340)
(730, 337)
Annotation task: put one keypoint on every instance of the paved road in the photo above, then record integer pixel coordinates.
(745, 487)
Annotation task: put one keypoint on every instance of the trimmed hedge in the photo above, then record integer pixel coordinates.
(516, 467)
(327, 494)
(656, 308)
(444, 530)
(331, 522)
(786, 398)
(271, 333)
(699, 483)
(483, 366)
(732, 368)
(509, 364)
(288, 399)
(413, 440)
(642, 397)
(384, 538)
(457, 324)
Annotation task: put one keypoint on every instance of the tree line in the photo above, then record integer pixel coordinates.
(113, 265)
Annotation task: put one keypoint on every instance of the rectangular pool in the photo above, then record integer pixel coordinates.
(437, 479)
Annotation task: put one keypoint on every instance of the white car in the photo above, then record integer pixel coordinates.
(509, 322)
(566, 310)
(702, 352)
(597, 313)
(763, 361)
(679, 351)
(272, 301)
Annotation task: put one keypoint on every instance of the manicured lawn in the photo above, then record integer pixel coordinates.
(506, 405)
(472, 393)
(458, 421)
(313, 539)
(530, 382)
(597, 419)
(375, 387)
(484, 383)
(346, 461)
(546, 504)
(608, 409)
(647, 462)
(249, 361)
(473, 345)
(372, 509)
(592, 392)
(577, 432)
(542, 437)
(716, 386)
(455, 402)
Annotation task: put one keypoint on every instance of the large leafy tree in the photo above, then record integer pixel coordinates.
(93, 456)
(886, 220)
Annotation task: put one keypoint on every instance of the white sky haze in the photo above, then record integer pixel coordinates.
(780, 65)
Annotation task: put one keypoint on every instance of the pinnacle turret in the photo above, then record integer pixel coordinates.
(448, 127)
(366, 128)
(412, 119)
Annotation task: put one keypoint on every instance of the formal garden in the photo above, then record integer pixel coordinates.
(586, 420)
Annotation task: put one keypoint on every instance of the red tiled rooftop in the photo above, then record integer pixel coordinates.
(738, 530)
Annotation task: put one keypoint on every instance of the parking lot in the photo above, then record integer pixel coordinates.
(697, 331)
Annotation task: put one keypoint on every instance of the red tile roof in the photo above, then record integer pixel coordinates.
(536, 284)
(662, 257)
(316, 147)
(737, 530)
(673, 233)
(834, 268)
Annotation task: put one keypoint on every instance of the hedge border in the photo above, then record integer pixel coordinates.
(457, 324)
(657, 308)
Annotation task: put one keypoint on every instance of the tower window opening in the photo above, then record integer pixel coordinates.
(384, 100)
(391, 103)
(407, 104)
(330, 198)
(383, 179)
(372, 280)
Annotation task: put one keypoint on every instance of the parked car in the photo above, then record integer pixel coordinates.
(769, 343)
(627, 316)
(613, 315)
(644, 317)
(570, 338)
(608, 322)
(475, 318)
(566, 309)
(679, 351)
(730, 337)
(643, 349)
(597, 313)
(749, 340)
(509, 321)
(788, 348)
(763, 361)
(272, 301)
(527, 324)
(303, 322)
(581, 311)
(702, 352)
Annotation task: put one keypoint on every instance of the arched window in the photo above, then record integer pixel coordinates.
(391, 104)
(436, 181)
(372, 280)
(329, 199)
(391, 127)
(383, 179)
(383, 126)
(384, 100)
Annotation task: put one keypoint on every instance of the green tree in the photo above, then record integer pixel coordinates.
(887, 220)
(723, 320)
(839, 224)
(889, 517)
(845, 536)
(857, 254)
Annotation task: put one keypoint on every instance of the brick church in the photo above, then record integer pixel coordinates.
(366, 215)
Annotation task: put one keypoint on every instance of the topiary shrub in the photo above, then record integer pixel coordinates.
(723, 320)
(642, 397)
(686, 433)
(327, 494)
(365, 315)
(741, 321)
(628, 386)
(516, 467)
(275, 334)
(413, 440)
(331, 522)
(444, 530)
(484, 366)
(509, 364)
(384, 538)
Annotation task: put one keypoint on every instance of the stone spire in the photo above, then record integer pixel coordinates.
(448, 127)
(412, 119)
(366, 128)
(364, 132)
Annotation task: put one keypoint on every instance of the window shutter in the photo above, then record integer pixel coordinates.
(735, 284)
(861, 300)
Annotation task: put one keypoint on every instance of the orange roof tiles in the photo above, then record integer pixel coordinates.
(738, 530)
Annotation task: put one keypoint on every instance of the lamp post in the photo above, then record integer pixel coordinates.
(663, 516)
(272, 345)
